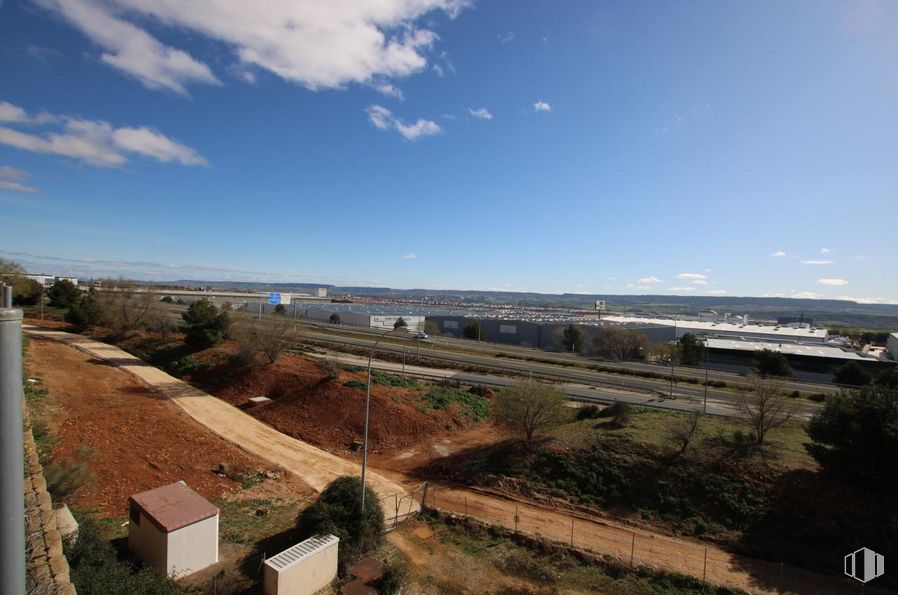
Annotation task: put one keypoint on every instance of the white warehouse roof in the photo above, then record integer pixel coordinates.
(805, 349)
(711, 328)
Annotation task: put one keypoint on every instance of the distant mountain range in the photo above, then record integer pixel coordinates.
(830, 312)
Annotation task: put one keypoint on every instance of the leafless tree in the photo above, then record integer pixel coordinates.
(529, 407)
(765, 407)
(620, 343)
(125, 307)
(683, 431)
(269, 336)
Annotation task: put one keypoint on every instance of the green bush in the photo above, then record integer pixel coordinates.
(338, 511)
(355, 384)
(378, 377)
(85, 313)
(95, 570)
(473, 407)
(63, 294)
(204, 326)
(394, 578)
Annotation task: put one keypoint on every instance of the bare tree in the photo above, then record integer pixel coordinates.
(529, 407)
(269, 336)
(765, 406)
(620, 343)
(683, 430)
(125, 307)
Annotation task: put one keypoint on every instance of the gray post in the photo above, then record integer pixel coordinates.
(12, 467)
(6, 297)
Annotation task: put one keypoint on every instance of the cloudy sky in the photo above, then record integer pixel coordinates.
(702, 147)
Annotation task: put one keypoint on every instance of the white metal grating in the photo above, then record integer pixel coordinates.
(301, 551)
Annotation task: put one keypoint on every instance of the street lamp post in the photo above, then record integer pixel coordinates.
(367, 409)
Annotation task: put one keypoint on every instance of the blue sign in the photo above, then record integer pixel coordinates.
(274, 299)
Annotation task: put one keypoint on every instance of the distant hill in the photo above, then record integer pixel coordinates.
(829, 312)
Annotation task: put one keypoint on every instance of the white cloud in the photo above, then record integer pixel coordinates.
(816, 262)
(692, 276)
(834, 282)
(806, 295)
(390, 90)
(439, 70)
(409, 256)
(506, 37)
(542, 106)
(318, 45)
(700, 282)
(481, 113)
(384, 119)
(778, 254)
(687, 288)
(12, 179)
(717, 292)
(15, 114)
(825, 250)
(99, 143)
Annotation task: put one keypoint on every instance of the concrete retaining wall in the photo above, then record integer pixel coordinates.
(48, 570)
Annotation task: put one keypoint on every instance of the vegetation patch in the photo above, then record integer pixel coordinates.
(473, 407)
(379, 377)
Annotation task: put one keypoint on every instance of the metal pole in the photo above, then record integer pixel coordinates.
(260, 308)
(572, 532)
(6, 297)
(12, 467)
(632, 549)
(705, 403)
(367, 409)
(403, 359)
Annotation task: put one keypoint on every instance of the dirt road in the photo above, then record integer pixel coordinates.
(317, 467)
(312, 465)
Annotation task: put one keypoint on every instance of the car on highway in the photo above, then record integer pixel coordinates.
(420, 335)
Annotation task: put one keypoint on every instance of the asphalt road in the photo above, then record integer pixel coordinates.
(452, 343)
(579, 384)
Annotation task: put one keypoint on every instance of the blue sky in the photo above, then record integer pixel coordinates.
(709, 148)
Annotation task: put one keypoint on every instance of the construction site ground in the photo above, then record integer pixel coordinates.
(317, 467)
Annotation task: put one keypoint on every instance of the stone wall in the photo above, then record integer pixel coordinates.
(48, 570)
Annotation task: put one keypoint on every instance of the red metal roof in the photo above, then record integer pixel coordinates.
(173, 506)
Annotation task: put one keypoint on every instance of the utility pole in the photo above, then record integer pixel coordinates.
(12, 467)
(705, 403)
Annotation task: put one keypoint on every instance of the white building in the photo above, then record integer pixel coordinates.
(414, 323)
(50, 280)
(893, 346)
(740, 330)
(173, 529)
(303, 569)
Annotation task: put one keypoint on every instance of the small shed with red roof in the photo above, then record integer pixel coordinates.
(173, 529)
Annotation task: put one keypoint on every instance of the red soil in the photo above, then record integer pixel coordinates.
(309, 406)
(136, 440)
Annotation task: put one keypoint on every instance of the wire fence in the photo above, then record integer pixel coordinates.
(631, 546)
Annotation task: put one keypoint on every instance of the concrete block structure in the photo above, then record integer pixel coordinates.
(892, 343)
(173, 529)
(303, 569)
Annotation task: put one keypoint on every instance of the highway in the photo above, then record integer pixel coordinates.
(566, 359)
(575, 382)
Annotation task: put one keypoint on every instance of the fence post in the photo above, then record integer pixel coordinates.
(572, 531)
(705, 569)
(466, 507)
(632, 549)
(516, 518)
(12, 465)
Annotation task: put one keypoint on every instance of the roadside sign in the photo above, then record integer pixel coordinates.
(274, 299)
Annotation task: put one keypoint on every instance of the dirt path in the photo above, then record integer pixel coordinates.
(312, 465)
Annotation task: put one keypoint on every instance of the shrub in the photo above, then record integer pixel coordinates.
(619, 413)
(482, 391)
(589, 412)
(330, 368)
(338, 511)
(378, 377)
(356, 384)
(394, 578)
(94, 568)
(204, 326)
(66, 477)
(86, 313)
(63, 294)
(474, 407)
